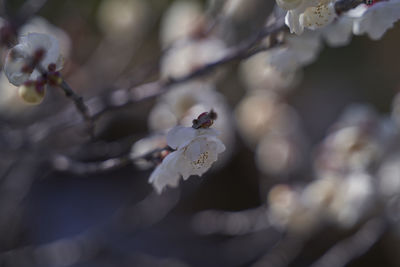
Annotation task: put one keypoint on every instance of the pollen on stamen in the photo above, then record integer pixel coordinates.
(199, 163)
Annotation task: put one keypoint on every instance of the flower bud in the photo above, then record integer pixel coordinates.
(54, 78)
(32, 92)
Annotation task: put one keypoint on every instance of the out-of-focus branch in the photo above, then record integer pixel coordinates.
(119, 99)
(355, 246)
(80, 105)
(231, 222)
(88, 245)
(77, 99)
(64, 163)
(153, 89)
(285, 251)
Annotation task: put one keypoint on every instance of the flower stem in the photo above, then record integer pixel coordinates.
(80, 106)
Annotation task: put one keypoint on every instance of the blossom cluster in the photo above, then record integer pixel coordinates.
(196, 149)
(317, 21)
(266, 122)
(373, 17)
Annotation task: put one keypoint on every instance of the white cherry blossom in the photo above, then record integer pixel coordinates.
(20, 55)
(166, 173)
(184, 102)
(373, 20)
(339, 33)
(298, 51)
(196, 151)
(311, 14)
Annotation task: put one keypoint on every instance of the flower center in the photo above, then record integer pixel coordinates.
(319, 16)
(201, 160)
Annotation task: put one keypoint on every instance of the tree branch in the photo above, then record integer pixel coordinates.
(64, 163)
(80, 106)
(153, 89)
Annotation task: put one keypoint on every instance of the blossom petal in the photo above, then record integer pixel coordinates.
(219, 146)
(180, 135)
(377, 19)
(166, 173)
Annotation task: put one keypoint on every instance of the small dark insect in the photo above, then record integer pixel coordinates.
(205, 120)
(369, 2)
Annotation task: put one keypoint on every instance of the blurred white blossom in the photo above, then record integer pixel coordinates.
(186, 56)
(123, 20)
(357, 140)
(342, 200)
(288, 211)
(40, 25)
(282, 201)
(297, 52)
(263, 112)
(187, 14)
(278, 154)
(22, 54)
(339, 33)
(196, 151)
(352, 198)
(257, 74)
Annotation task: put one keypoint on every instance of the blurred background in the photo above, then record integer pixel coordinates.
(310, 177)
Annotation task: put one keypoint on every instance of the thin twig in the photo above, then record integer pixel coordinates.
(80, 105)
(64, 163)
(123, 98)
(127, 97)
(77, 99)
